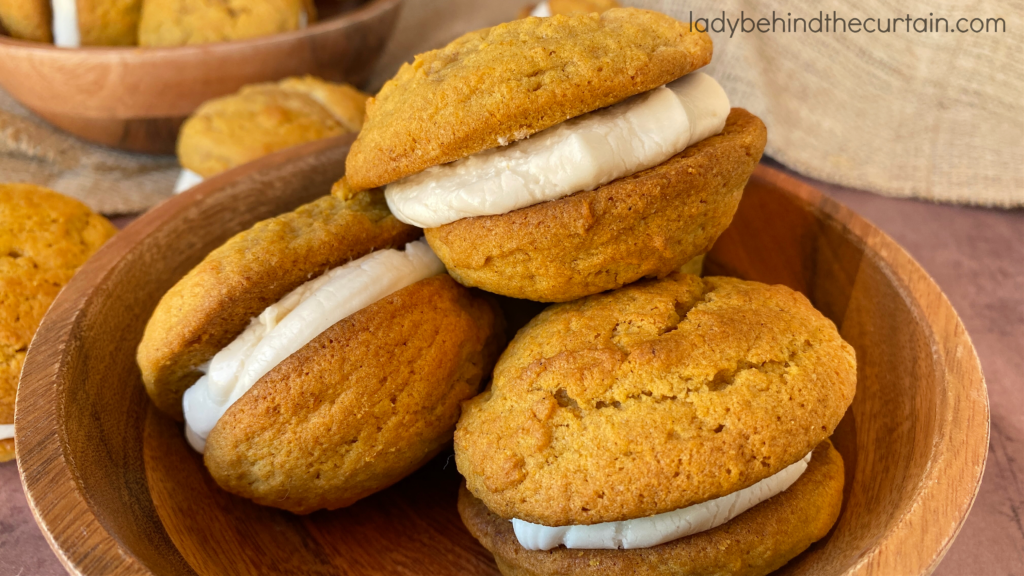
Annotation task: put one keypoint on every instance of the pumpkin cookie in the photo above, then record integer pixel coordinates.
(647, 224)
(27, 19)
(662, 410)
(180, 22)
(634, 165)
(327, 312)
(499, 85)
(263, 118)
(44, 239)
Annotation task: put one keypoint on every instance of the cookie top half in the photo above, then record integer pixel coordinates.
(498, 85)
(215, 301)
(44, 238)
(651, 398)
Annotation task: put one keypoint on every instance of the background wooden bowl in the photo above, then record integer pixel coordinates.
(136, 98)
(117, 491)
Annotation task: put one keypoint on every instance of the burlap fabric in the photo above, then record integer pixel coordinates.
(937, 116)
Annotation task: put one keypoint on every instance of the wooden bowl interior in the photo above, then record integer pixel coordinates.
(117, 490)
(136, 99)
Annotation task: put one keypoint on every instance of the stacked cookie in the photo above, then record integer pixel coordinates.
(75, 23)
(44, 238)
(651, 421)
(263, 118)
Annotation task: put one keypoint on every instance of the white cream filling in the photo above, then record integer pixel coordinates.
(6, 431)
(542, 10)
(65, 24)
(186, 180)
(578, 154)
(295, 320)
(660, 528)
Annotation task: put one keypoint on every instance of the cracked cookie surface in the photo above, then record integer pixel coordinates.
(502, 84)
(44, 238)
(654, 397)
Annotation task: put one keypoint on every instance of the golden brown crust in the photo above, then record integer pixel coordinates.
(656, 396)
(6, 450)
(572, 7)
(180, 22)
(362, 405)
(263, 118)
(251, 271)
(27, 20)
(502, 84)
(754, 543)
(647, 224)
(109, 22)
(45, 237)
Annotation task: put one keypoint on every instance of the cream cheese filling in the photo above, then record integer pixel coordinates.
(542, 10)
(295, 320)
(660, 528)
(186, 180)
(65, 24)
(6, 431)
(579, 154)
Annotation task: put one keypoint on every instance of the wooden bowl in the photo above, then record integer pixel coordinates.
(136, 98)
(116, 490)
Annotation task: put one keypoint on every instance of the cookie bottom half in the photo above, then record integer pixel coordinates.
(753, 544)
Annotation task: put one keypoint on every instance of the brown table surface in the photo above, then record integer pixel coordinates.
(975, 255)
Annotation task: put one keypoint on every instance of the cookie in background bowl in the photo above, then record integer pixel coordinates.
(44, 238)
(182, 22)
(674, 426)
(552, 158)
(27, 19)
(263, 118)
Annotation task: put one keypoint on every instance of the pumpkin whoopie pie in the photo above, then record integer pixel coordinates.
(263, 118)
(181, 22)
(553, 158)
(320, 356)
(673, 426)
(44, 238)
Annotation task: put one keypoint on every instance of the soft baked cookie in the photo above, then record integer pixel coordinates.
(388, 382)
(553, 158)
(180, 22)
(44, 238)
(498, 85)
(107, 22)
(252, 270)
(263, 118)
(567, 7)
(755, 543)
(313, 359)
(647, 417)
(27, 19)
(647, 224)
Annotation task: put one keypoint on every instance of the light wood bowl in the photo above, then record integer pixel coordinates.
(116, 490)
(136, 98)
